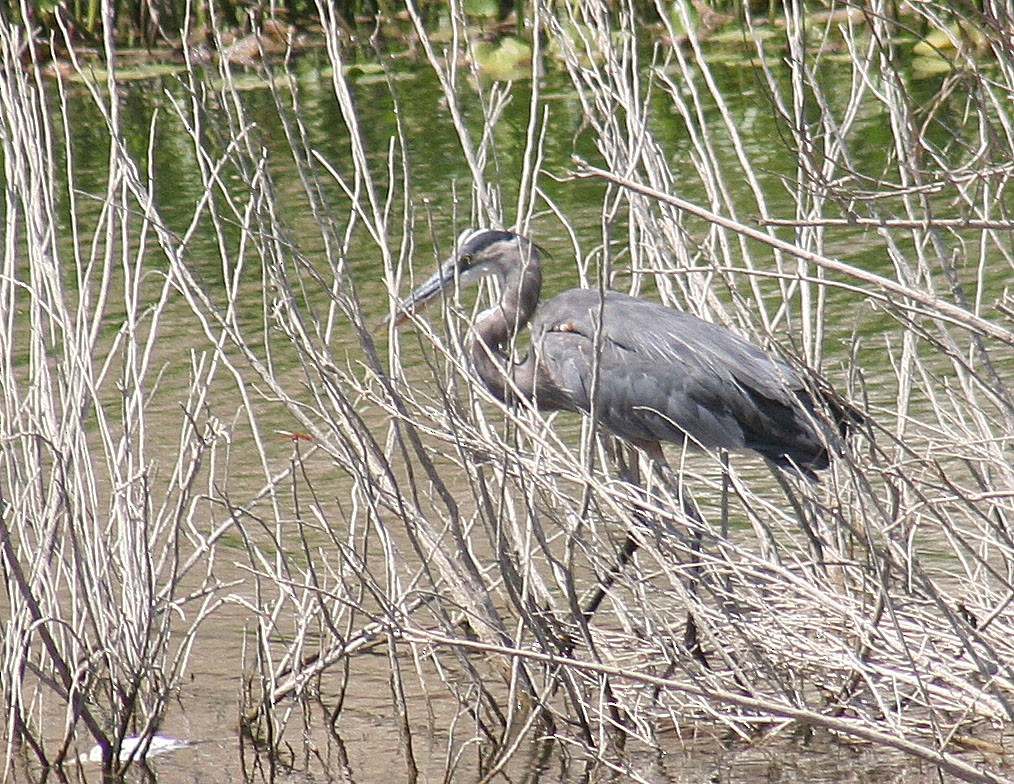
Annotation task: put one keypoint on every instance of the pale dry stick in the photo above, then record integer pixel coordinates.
(785, 568)
(606, 78)
(337, 241)
(405, 735)
(925, 224)
(980, 185)
(227, 318)
(527, 595)
(365, 638)
(817, 154)
(478, 159)
(536, 609)
(204, 305)
(935, 306)
(32, 429)
(435, 550)
(494, 102)
(542, 472)
(911, 645)
(950, 352)
(916, 631)
(519, 736)
(697, 291)
(616, 98)
(908, 147)
(375, 220)
(315, 605)
(911, 150)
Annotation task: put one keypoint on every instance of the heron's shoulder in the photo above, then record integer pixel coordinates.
(642, 330)
(621, 312)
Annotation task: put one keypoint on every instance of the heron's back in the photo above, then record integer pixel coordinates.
(663, 374)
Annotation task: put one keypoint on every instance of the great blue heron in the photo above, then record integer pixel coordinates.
(661, 375)
(646, 372)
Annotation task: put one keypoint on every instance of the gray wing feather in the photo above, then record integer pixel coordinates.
(664, 373)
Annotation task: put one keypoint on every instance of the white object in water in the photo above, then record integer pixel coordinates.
(160, 744)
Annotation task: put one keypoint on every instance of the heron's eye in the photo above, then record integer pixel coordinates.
(465, 262)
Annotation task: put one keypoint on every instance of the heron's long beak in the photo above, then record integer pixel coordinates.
(426, 292)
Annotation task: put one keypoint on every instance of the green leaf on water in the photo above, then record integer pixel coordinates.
(924, 67)
(135, 73)
(363, 68)
(486, 9)
(508, 59)
(946, 42)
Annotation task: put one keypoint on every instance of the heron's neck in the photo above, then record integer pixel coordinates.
(496, 327)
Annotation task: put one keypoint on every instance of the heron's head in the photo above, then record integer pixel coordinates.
(478, 253)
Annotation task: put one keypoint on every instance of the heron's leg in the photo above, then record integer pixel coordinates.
(725, 494)
(691, 636)
(629, 473)
(625, 556)
(813, 539)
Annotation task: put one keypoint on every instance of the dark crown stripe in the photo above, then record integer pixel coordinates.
(472, 241)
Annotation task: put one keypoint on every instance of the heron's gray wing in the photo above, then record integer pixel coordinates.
(663, 373)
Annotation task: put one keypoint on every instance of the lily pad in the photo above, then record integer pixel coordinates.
(487, 9)
(137, 73)
(925, 67)
(506, 60)
(947, 42)
(363, 68)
